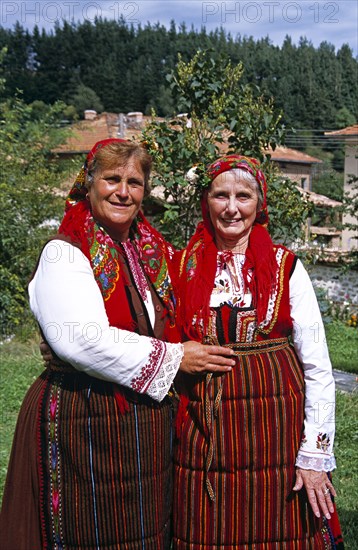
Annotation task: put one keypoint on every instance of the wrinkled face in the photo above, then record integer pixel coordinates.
(116, 196)
(232, 202)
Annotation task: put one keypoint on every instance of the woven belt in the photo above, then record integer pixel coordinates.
(249, 348)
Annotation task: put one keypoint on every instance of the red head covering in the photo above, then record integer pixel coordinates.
(79, 190)
(103, 143)
(250, 165)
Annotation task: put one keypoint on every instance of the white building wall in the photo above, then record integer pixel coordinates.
(350, 237)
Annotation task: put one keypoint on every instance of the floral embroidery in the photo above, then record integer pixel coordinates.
(105, 269)
(304, 439)
(140, 383)
(191, 267)
(221, 285)
(152, 255)
(104, 258)
(136, 270)
(323, 442)
(229, 281)
(192, 262)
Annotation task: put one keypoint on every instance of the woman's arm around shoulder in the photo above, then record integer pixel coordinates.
(69, 307)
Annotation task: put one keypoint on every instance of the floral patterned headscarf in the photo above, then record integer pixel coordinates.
(79, 190)
(250, 165)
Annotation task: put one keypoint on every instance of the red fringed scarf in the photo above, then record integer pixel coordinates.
(197, 264)
(103, 253)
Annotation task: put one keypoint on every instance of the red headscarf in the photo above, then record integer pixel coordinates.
(79, 190)
(199, 259)
(250, 165)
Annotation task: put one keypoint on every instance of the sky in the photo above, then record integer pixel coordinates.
(317, 20)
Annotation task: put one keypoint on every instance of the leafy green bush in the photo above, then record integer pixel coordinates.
(29, 201)
(12, 301)
(217, 111)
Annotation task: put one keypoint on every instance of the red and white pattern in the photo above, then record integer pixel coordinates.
(151, 367)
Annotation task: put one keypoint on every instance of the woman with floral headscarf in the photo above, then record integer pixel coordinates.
(91, 465)
(254, 445)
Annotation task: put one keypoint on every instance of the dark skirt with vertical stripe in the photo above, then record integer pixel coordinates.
(239, 441)
(84, 476)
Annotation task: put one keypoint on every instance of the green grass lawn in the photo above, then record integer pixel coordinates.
(21, 364)
(342, 342)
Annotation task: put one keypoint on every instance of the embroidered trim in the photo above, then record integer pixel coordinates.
(319, 464)
(247, 328)
(229, 281)
(150, 369)
(169, 367)
(275, 298)
(192, 262)
(323, 442)
(54, 466)
(136, 270)
(104, 259)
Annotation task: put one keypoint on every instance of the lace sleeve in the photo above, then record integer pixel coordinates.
(166, 372)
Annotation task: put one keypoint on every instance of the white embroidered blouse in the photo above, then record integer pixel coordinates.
(68, 306)
(310, 344)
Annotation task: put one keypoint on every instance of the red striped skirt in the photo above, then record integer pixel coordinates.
(234, 461)
(82, 475)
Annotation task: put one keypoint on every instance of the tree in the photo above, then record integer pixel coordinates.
(27, 180)
(85, 98)
(218, 112)
(126, 66)
(344, 118)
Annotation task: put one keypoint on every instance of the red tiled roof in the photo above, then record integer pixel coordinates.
(283, 154)
(348, 131)
(86, 133)
(318, 200)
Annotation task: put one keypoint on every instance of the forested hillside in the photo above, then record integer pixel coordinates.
(125, 68)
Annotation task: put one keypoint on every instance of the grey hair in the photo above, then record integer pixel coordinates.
(251, 181)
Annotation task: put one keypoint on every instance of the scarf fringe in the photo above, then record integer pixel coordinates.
(182, 412)
(261, 259)
(197, 277)
(121, 401)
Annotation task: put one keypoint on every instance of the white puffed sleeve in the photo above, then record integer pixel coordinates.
(316, 450)
(69, 308)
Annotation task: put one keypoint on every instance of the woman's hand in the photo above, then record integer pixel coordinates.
(201, 359)
(319, 490)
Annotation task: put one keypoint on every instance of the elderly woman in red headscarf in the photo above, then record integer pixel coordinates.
(255, 444)
(91, 465)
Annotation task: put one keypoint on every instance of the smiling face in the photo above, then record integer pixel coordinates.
(116, 196)
(233, 202)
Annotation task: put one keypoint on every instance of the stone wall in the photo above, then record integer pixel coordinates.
(340, 286)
